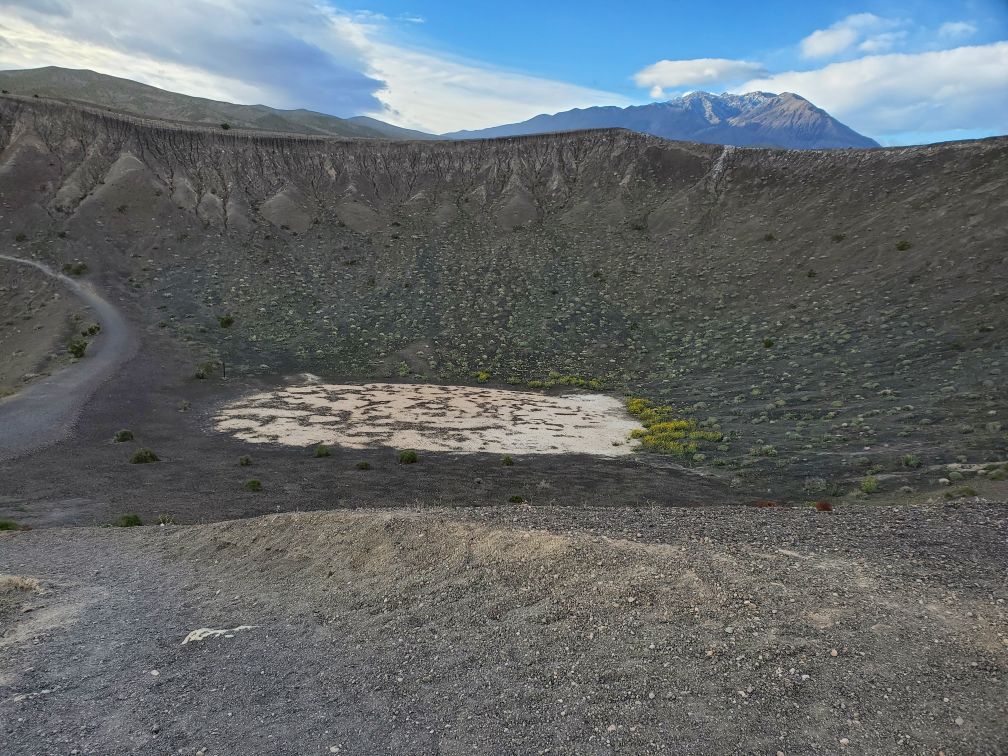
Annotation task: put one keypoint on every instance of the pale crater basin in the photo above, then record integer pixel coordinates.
(431, 418)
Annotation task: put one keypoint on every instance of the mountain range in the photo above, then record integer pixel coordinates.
(754, 119)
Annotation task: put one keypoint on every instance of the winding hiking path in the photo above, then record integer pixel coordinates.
(45, 411)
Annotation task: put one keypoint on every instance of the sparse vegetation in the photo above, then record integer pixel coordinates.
(11, 525)
(869, 485)
(225, 321)
(77, 347)
(507, 461)
(322, 451)
(121, 436)
(482, 376)
(19, 237)
(143, 457)
(253, 484)
(903, 246)
(408, 457)
(516, 499)
(128, 521)
(763, 450)
(911, 461)
(362, 465)
(245, 461)
(664, 433)
(76, 268)
(575, 381)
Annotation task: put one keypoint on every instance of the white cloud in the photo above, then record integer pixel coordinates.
(669, 74)
(957, 29)
(284, 53)
(961, 88)
(841, 36)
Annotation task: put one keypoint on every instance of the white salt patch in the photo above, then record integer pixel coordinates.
(431, 418)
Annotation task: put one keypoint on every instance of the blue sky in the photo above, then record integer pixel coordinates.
(901, 72)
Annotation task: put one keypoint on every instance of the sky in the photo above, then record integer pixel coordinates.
(901, 72)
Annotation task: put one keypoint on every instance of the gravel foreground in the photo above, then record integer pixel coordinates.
(512, 630)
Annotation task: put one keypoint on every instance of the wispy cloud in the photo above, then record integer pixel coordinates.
(284, 53)
(697, 72)
(866, 28)
(957, 29)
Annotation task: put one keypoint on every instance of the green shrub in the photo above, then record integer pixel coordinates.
(76, 268)
(363, 465)
(123, 435)
(225, 321)
(143, 457)
(506, 460)
(166, 520)
(839, 237)
(961, 493)
(245, 461)
(903, 246)
(483, 376)
(870, 484)
(998, 475)
(225, 126)
(763, 450)
(322, 451)
(768, 342)
(768, 237)
(77, 347)
(253, 485)
(516, 499)
(10, 525)
(20, 237)
(408, 457)
(128, 521)
(910, 460)
(91, 330)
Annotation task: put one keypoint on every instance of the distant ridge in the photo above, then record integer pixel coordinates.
(756, 119)
(127, 96)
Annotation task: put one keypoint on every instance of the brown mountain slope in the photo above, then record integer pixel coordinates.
(831, 312)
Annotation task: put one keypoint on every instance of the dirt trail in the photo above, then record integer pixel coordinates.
(44, 412)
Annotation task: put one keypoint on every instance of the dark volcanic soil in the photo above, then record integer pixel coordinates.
(514, 630)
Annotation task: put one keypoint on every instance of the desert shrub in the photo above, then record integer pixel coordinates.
(506, 460)
(483, 376)
(560, 379)
(128, 521)
(91, 330)
(245, 461)
(870, 484)
(408, 457)
(516, 499)
(143, 457)
(225, 321)
(998, 475)
(77, 347)
(961, 493)
(363, 465)
(76, 268)
(903, 245)
(667, 434)
(839, 237)
(123, 435)
(10, 525)
(768, 343)
(205, 370)
(910, 460)
(253, 484)
(225, 126)
(166, 520)
(768, 237)
(322, 451)
(763, 450)
(20, 237)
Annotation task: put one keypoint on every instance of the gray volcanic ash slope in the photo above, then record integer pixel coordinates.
(812, 303)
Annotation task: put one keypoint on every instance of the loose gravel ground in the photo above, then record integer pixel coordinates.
(513, 630)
